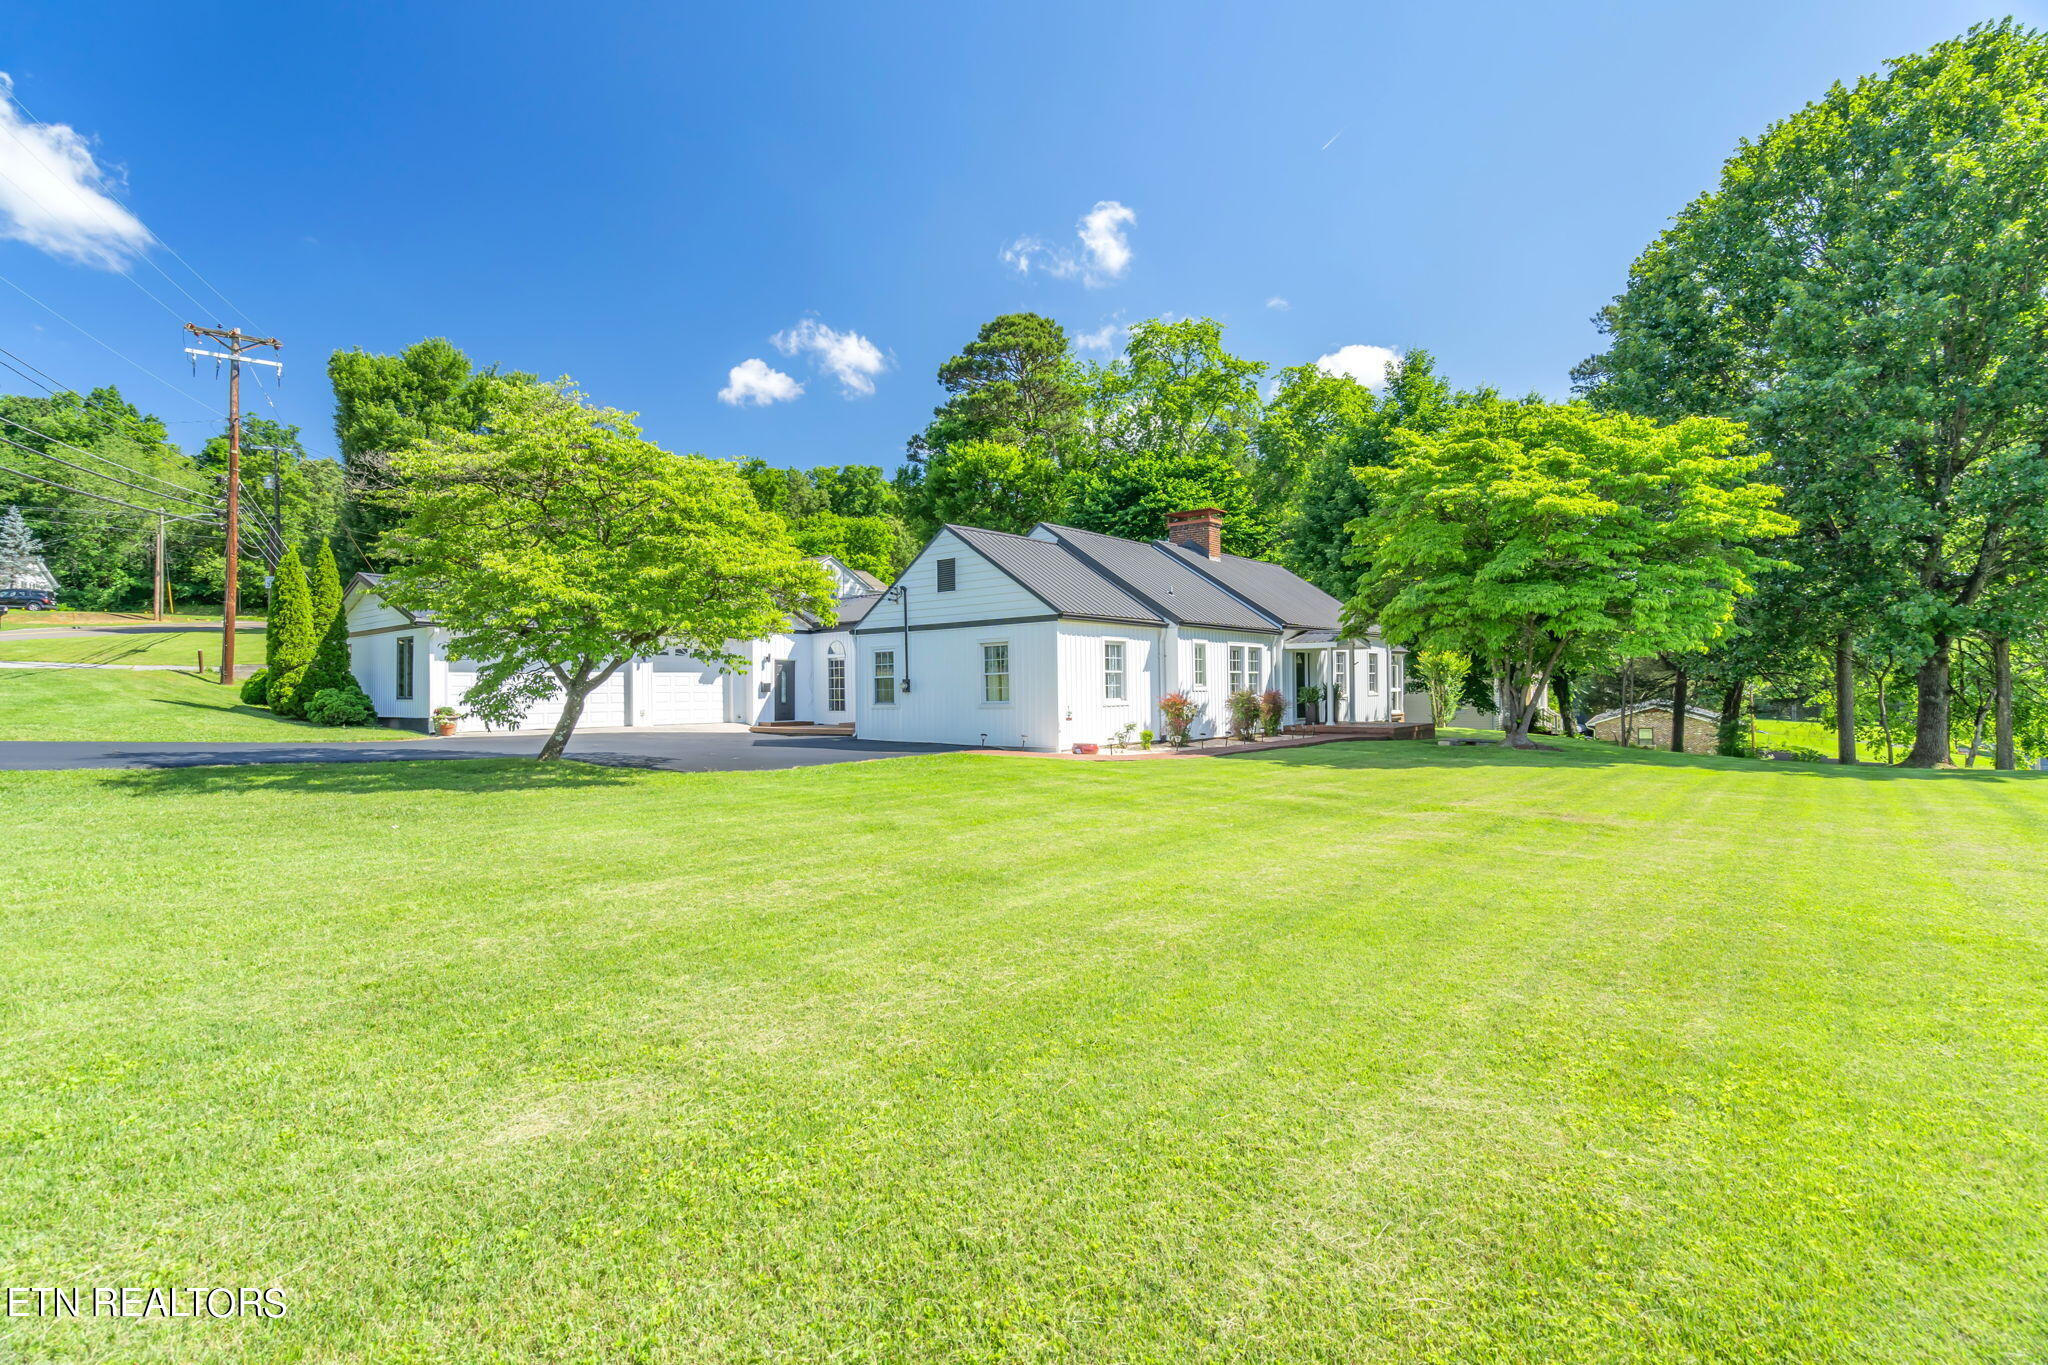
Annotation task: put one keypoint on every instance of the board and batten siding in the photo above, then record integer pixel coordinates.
(374, 657)
(1213, 700)
(1087, 715)
(946, 702)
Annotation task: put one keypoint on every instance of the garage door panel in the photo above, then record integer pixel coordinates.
(685, 691)
(604, 707)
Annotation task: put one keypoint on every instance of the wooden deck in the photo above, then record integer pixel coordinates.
(800, 727)
(1398, 730)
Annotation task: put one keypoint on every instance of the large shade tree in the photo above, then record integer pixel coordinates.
(1536, 535)
(555, 544)
(1865, 289)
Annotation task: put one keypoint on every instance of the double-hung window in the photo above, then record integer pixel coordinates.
(885, 677)
(1201, 671)
(1372, 673)
(1399, 683)
(1342, 678)
(405, 667)
(995, 673)
(835, 684)
(1237, 668)
(1112, 670)
(1254, 669)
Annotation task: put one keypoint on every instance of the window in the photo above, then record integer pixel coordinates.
(1395, 670)
(1645, 735)
(1112, 670)
(1237, 668)
(1201, 674)
(1254, 668)
(885, 677)
(835, 684)
(1340, 683)
(1372, 672)
(946, 575)
(995, 673)
(405, 668)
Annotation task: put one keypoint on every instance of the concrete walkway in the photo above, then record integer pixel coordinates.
(684, 751)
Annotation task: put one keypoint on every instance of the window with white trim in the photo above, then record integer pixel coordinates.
(1201, 670)
(885, 677)
(995, 672)
(1237, 668)
(405, 668)
(1396, 671)
(1372, 672)
(1254, 668)
(835, 681)
(1112, 670)
(1341, 680)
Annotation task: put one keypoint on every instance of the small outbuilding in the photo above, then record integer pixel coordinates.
(1647, 725)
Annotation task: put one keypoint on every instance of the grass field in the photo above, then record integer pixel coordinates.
(155, 647)
(133, 707)
(43, 620)
(1349, 1053)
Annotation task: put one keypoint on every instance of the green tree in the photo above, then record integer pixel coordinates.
(1329, 496)
(1016, 382)
(309, 503)
(294, 636)
(1131, 497)
(385, 404)
(21, 554)
(1310, 415)
(876, 545)
(1175, 392)
(556, 543)
(1535, 535)
(330, 664)
(857, 490)
(1867, 288)
(993, 484)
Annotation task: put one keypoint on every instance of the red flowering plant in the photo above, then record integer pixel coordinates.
(1179, 710)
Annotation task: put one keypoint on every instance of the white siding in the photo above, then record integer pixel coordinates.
(1213, 718)
(945, 703)
(819, 649)
(981, 591)
(1087, 716)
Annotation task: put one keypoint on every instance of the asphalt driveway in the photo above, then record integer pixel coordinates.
(676, 751)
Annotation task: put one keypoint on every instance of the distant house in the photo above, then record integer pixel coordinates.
(1649, 727)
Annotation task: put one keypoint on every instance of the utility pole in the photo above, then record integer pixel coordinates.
(156, 597)
(236, 343)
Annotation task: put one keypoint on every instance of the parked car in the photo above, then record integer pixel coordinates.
(27, 599)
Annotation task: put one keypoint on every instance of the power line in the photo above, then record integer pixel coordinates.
(24, 376)
(94, 454)
(103, 497)
(46, 455)
(33, 369)
(103, 345)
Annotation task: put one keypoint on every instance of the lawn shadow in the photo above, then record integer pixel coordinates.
(1586, 753)
(193, 775)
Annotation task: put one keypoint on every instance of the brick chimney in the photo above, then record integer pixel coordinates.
(1200, 530)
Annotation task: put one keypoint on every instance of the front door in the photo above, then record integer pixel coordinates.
(785, 689)
(1300, 684)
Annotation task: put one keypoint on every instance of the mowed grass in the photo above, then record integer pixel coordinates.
(128, 708)
(43, 620)
(1349, 1053)
(179, 647)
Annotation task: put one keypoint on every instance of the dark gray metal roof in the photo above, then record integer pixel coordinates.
(852, 609)
(1163, 580)
(1064, 581)
(1277, 591)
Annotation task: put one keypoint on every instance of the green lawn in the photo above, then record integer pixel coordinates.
(1811, 734)
(1348, 1053)
(129, 707)
(155, 647)
(43, 620)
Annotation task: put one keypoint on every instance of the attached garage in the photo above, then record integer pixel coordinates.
(605, 706)
(683, 690)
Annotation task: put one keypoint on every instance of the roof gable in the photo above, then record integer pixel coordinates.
(1056, 576)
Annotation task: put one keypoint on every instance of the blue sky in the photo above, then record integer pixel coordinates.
(647, 196)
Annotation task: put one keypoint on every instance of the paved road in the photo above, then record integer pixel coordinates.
(685, 752)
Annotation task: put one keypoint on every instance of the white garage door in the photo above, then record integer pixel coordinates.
(686, 691)
(605, 706)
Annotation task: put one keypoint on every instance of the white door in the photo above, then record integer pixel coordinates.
(605, 706)
(685, 691)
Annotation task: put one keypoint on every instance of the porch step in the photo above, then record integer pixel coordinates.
(800, 727)
(1417, 730)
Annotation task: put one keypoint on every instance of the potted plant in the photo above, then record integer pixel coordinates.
(444, 720)
(1311, 699)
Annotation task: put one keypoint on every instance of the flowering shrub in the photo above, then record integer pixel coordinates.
(1179, 710)
(1244, 713)
(1272, 706)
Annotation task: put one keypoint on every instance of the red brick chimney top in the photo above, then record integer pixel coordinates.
(1200, 530)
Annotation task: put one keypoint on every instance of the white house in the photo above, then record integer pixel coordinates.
(1040, 641)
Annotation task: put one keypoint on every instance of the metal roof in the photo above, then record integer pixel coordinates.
(1171, 588)
(1057, 576)
(1277, 591)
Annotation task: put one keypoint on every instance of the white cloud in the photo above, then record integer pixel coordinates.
(848, 357)
(756, 383)
(1367, 364)
(53, 193)
(1101, 339)
(1278, 303)
(1104, 255)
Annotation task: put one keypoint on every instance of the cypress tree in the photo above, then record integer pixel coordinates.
(292, 621)
(330, 665)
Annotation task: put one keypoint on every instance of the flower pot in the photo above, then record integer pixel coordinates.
(444, 727)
